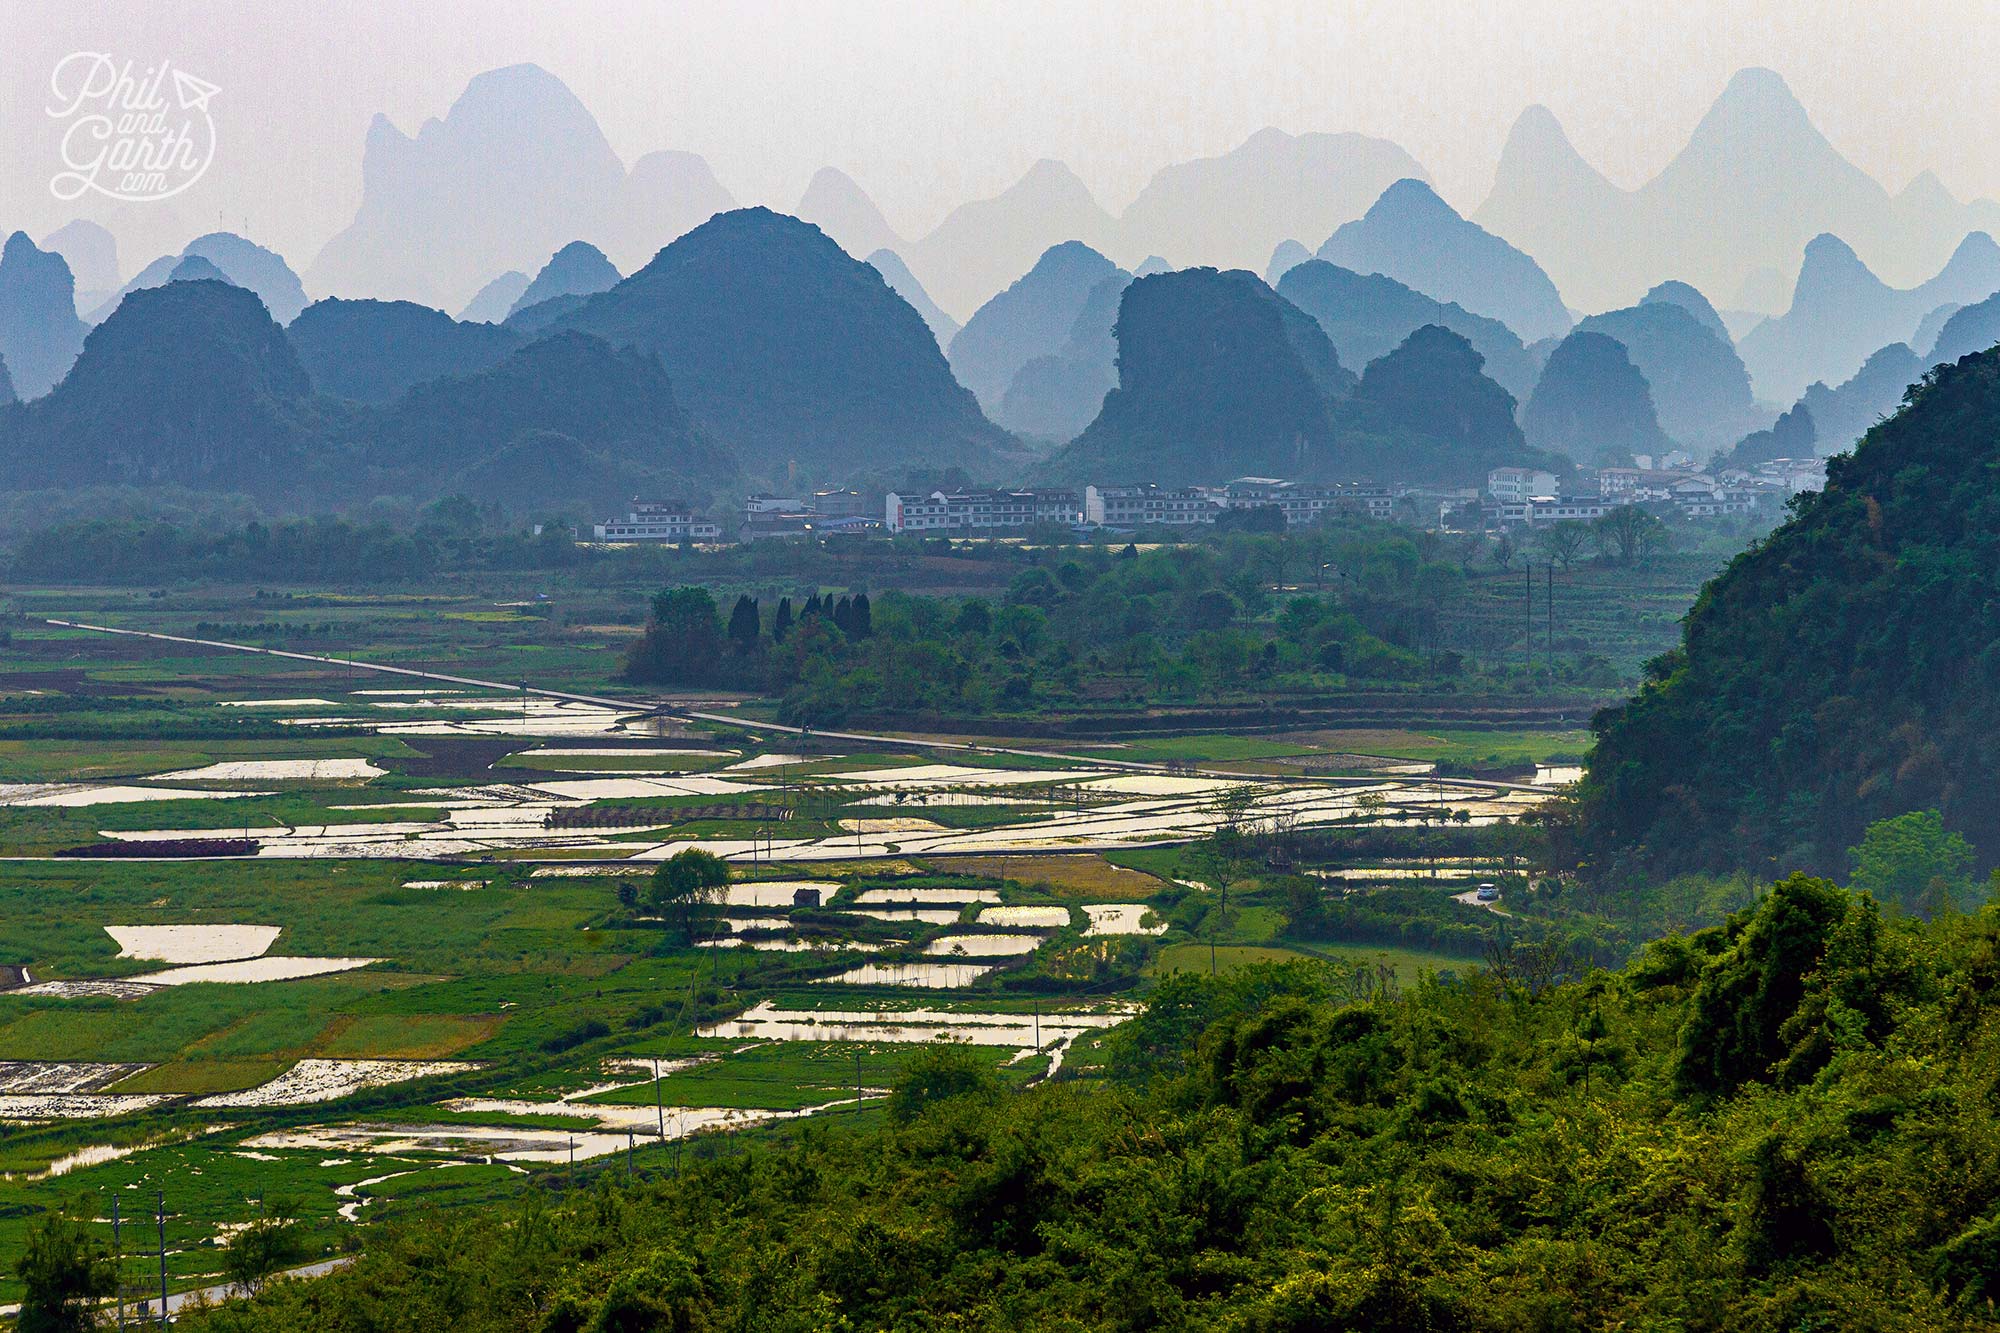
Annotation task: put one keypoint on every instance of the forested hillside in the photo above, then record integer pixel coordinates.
(1785, 1122)
(1844, 670)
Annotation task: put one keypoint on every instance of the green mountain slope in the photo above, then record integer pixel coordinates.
(1846, 669)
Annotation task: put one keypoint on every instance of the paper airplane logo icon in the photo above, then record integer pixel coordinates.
(194, 93)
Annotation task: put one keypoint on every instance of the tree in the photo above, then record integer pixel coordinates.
(745, 625)
(936, 1073)
(683, 641)
(781, 620)
(1218, 859)
(270, 1244)
(862, 617)
(1628, 532)
(1733, 1032)
(1563, 542)
(63, 1272)
(974, 617)
(685, 884)
(1913, 862)
(1503, 551)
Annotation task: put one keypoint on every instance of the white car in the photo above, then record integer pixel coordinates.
(1488, 893)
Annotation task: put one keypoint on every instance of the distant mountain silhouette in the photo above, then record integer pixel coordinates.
(242, 263)
(1368, 317)
(616, 408)
(1549, 201)
(1413, 236)
(1842, 415)
(516, 168)
(1793, 435)
(1932, 324)
(1031, 318)
(1699, 385)
(192, 383)
(40, 335)
(537, 470)
(1592, 404)
(1428, 412)
(154, 274)
(1973, 327)
(792, 352)
(667, 194)
(840, 208)
(982, 246)
(904, 283)
(1230, 211)
(250, 265)
(495, 299)
(92, 255)
(1841, 312)
(193, 268)
(1054, 397)
(1218, 376)
(532, 321)
(188, 383)
(1690, 299)
(1754, 183)
(1287, 256)
(376, 351)
(578, 269)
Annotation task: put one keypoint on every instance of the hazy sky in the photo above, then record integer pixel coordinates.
(929, 104)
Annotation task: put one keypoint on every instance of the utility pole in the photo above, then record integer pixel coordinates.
(659, 1107)
(1528, 647)
(1551, 599)
(118, 1261)
(628, 1154)
(857, 1080)
(161, 1199)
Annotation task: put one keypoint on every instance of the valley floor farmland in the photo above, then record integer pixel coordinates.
(287, 926)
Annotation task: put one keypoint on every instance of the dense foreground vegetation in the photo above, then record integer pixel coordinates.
(1784, 1122)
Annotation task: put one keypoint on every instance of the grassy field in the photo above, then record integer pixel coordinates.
(1196, 749)
(1406, 964)
(786, 1075)
(1494, 748)
(1083, 877)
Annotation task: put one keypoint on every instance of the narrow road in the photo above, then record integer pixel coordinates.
(176, 1300)
(752, 724)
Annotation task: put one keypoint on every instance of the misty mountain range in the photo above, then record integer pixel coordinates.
(518, 167)
(790, 356)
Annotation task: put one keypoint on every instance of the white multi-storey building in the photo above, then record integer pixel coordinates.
(651, 522)
(1520, 483)
(1147, 506)
(980, 513)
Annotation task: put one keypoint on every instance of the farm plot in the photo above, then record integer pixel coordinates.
(311, 1081)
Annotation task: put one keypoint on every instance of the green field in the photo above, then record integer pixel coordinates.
(543, 985)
